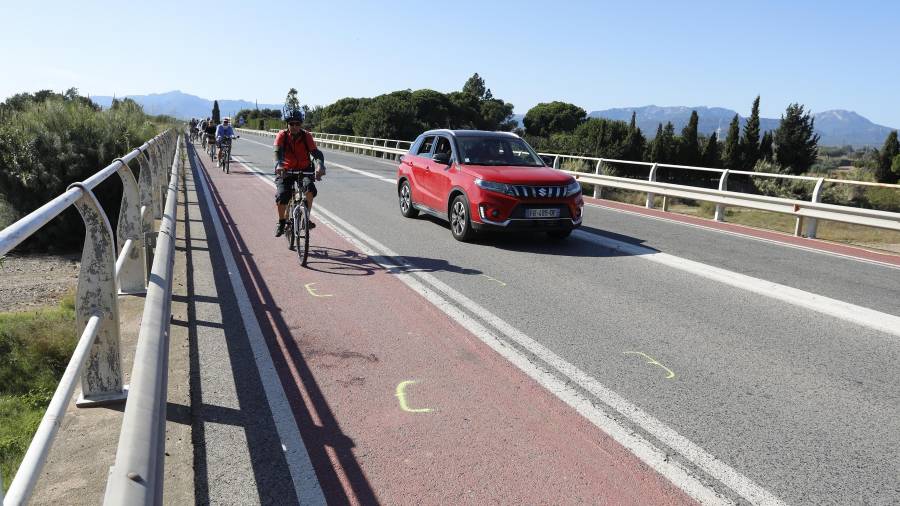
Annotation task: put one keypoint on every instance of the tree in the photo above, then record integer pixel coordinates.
(475, 87)
(895, 167)
(689, 147)
(711, 155)
(766, 151)
(732, 155)
(886, 156)
(796, 141)
(750, 140)
(215, 112)
(545, 119)
(292, 101)
(635, 142)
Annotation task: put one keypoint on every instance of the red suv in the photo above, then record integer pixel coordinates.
(486, 181)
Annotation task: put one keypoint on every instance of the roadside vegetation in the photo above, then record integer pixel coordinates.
(35, 347)
(49, 140)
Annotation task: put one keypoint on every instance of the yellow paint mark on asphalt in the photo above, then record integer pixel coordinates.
(651, 360)
(494, 279)
(401, 396)
(312, 291)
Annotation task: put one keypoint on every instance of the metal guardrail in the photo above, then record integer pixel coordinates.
(103, 275)
(805, 212)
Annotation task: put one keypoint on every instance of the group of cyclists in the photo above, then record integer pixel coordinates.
(297, 159)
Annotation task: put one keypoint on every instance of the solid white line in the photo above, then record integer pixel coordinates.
(429, 287)
(747, 236)
(882, 322)
(306, 484)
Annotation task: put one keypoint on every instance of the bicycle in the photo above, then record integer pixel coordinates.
(224, 160)
(297, 223)
(210, 146)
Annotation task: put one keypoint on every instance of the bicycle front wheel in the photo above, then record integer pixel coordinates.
(301, 233)
(227, 160)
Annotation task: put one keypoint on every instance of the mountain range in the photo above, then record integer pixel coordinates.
(836, 127)
(183, 105)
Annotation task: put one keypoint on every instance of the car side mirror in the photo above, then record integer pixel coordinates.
(442, 158)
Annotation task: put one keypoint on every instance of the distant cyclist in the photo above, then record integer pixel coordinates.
(223, 131)
(294, 147)
(210, 132)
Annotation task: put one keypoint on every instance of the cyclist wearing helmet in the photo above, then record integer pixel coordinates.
(294, 147)
(222, 131)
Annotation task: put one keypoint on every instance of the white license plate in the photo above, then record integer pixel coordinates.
(542, 213)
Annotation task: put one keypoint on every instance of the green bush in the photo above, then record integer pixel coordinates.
(46, 146)
(35, 347)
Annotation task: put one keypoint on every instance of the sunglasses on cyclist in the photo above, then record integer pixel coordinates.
(295, 123)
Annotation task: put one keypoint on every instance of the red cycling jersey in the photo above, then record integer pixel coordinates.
(296, 152)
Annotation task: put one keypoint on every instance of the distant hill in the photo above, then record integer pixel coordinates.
(836, 127)
(183, 105)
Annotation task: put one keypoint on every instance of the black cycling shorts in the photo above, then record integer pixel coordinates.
(284, 185)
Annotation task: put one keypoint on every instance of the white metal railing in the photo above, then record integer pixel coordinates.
(807, 212)
(104, 274)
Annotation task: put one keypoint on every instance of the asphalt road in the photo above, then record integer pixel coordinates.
(803, 404)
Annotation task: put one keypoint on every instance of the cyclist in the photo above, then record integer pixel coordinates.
(293, 148)
(210, 133)
(225, 130)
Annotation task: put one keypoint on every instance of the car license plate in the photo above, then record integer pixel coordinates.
(542, 213)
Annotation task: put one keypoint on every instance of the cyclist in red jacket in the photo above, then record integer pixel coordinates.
(295, 149)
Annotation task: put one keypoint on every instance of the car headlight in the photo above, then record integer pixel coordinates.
(573, 188)
(495, 187)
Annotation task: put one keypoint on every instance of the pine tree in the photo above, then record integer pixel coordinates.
(292, 101)
(668, 144)
(750, 140)
(475, 87)
(796, 142)
(711, 155)
(689, 147)
(215, 112)
(766, 150)
(732, 155)
(886, 156)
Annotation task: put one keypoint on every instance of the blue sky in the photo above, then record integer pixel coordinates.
(825, 54)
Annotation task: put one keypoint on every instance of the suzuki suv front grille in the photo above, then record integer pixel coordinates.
(539, 192)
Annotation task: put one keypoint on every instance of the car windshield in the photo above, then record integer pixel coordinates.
(497, 151)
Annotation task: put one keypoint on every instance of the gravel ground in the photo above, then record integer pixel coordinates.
(29, 282)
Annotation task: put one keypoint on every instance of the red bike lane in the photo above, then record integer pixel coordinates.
(395, 401)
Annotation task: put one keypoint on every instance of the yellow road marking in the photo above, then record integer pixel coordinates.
(312, 291)
(401, 396)
(494, 279)
(651, 360)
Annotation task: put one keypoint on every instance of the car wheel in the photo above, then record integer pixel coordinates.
(460, 224)
(406, 204)
(559, 234)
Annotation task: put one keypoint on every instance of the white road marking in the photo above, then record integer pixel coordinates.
(306, 484)
(859, 315)
(432, 289)
(745, 236)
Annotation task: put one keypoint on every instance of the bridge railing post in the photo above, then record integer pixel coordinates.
(723, 186)
(101, 380)
(651, 196)
(598, 190)
(131, 274)
(812, 224)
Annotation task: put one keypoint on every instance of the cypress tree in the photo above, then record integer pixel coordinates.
(634, 141)
(732, 155)
(750, 141)
(886, 156)
(797, 142)
(653, 149)
(215, 112)
(765, 148)
(711, 155)
(689, 147)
